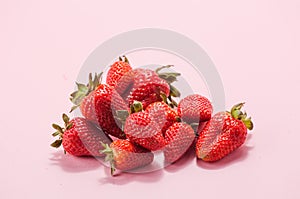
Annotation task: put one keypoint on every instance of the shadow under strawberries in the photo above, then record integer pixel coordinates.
(183, 162)
(236, 156)
(122, 178)
(73, 164)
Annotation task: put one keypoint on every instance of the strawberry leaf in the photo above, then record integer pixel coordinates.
(169, 77)
(84, 90)
(57, 143)
(66, 119)
(248, 123)
(122, 114)
(174, 92)
(56, 133)
(69, 126)
(57, 127)
(240, 115)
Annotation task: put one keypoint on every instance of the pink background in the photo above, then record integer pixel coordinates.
(255, 46)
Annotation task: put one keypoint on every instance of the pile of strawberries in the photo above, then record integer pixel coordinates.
(134, 114)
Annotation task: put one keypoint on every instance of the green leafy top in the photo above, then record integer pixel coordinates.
(60, 130)
(169, 77)
(238, 114)
(84, 90)
(109, 157)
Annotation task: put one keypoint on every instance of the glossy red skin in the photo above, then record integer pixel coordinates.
(87, 108)
(84, 138)
(141, 129)
(147, 128)
(116, 72)
(163, 115)
(195, 109)
(179, 138)
(127, 155)
(221, 135)
(107, 101)
(142, 85)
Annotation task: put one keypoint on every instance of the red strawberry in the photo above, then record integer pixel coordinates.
(163, 115)
(142, 85)
(194, 109)
(179, 138)
(147, 128)
(84, 97)
(99, 103)
(80, 137)
(142, 129)
(124, 155)
(107, 103)
(117, 70)
(224, 133)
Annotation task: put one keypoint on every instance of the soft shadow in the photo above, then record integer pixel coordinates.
(74, 164)
(236, 156)
(183, 162)
(121, 178)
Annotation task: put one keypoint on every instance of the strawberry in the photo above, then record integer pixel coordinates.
(84, 97)
(117, 70)
(225, 132)
(80, 137)
(179, 137)
(194, 109)
(99, 103)
(163, 115)
(147, 128)
(107, 103)
(124, 155)
(142, 85)
(141, 129)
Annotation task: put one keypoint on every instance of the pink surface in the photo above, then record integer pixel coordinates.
(255, 46)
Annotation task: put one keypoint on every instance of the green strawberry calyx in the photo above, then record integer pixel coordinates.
(136, 106)
(122, 115)
(108, 151)
(60, 131)
(169, 77)
(238, 114)
(84, 90)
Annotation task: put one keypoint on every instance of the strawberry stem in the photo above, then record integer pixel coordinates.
(125, 59)
(135, 107)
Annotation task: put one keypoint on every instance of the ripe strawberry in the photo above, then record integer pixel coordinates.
(147, 128)
(163, 115)
(124, 155)
(225, 132)
(117, 70)
(84, 97)
(194, 109)
(107, 103)
(80, 137)
(179, 137)
(142, 85)
(142, 129)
